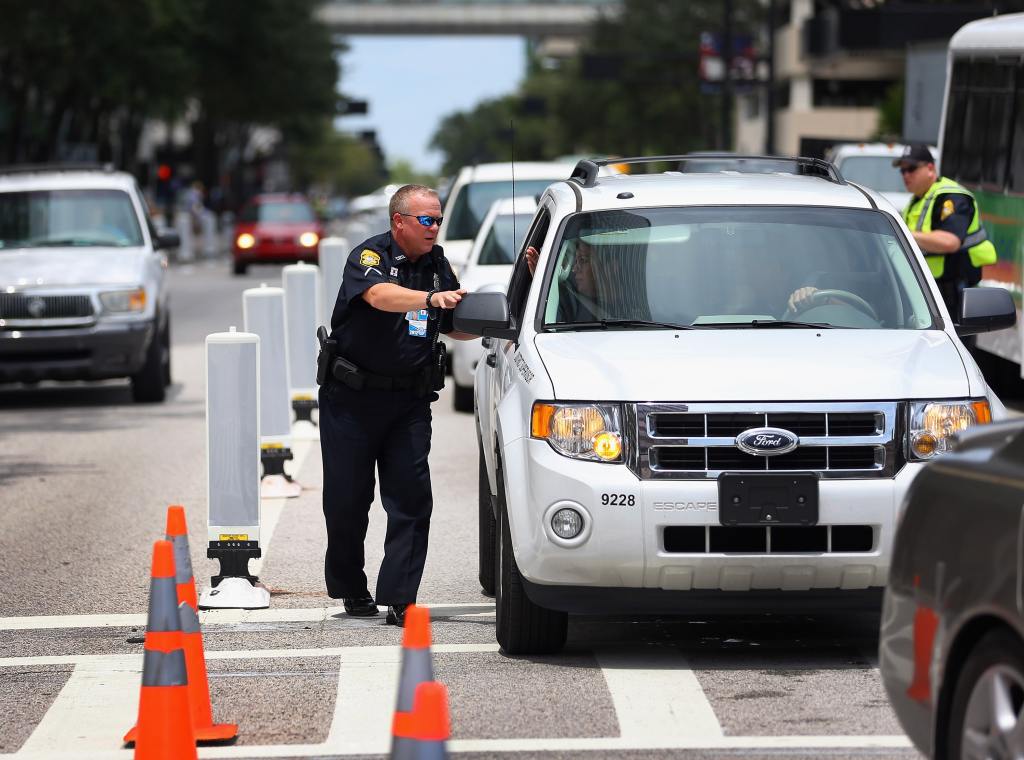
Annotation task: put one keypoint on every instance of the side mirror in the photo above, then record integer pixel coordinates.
(484, 314)
(167, 239)
(985, 310)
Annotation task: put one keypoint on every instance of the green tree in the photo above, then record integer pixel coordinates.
(341, 162)
(402, 172)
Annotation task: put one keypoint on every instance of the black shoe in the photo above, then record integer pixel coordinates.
(360, 606)
(396, 615)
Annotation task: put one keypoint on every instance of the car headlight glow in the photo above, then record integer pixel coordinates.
(308, 239)
(245, 240)
(933, 425)
(580, 431)
(124, 300)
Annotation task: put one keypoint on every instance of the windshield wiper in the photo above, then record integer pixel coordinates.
(604, 324)
(761, 323)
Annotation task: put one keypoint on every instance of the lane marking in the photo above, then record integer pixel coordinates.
(227, 617)
(97, 705)
(367, 693)
(681, 711)
(492, 746)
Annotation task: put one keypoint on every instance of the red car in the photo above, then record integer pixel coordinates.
(275, 229)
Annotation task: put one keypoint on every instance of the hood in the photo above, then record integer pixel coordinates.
(42, 267)
(277, 228)
(753, 365)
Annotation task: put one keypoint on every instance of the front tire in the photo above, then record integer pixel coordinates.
(150, 383)
(987, 714)
(239, 267)
(487, 529)
(521, 626)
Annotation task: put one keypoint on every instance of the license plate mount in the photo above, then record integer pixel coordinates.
(767, 499)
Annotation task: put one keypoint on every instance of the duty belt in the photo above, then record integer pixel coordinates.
(348, 374)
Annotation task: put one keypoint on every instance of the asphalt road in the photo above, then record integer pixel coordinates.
(86, 476)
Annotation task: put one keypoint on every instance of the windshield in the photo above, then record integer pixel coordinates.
(68, 218)
(473, 201)
(281, 213)
(498, 247)
(734, 267)
(876, 172)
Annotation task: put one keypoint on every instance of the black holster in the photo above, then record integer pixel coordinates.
(328, 352)
(438, 365)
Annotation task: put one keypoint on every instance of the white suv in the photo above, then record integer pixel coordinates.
(714, 391)
(82, 280)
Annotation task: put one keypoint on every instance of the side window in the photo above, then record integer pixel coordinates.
(519, 285)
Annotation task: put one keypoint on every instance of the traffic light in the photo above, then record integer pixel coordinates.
(353, 107)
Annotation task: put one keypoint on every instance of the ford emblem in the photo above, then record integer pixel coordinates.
(766, 441)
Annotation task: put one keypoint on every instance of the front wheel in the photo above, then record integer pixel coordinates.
(987, 715)
(522, 627)
(150, 383)
(462, 397)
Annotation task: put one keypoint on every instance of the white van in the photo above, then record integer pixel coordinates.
(713, 393)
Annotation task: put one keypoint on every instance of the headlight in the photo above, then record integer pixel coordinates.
(580, 431)
(308, 239)
(245, 240)
(124, 300)
(933, 424)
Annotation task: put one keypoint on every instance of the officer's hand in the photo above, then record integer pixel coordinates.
(801, 297)
(448, 299)
(531, 259)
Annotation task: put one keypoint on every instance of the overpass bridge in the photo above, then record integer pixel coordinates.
(529, 18)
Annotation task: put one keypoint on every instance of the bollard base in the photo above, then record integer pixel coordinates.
(303, 408)
(235, 594)
(273, 458)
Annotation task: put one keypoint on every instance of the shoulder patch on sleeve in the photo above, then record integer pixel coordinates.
(947, 208)
(369, 258)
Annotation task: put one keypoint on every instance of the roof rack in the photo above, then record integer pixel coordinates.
(586, 171)
(56, 167)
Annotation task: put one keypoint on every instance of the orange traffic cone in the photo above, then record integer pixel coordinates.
(416, 658)
(164, 727)
(423, 733)
(198, 685)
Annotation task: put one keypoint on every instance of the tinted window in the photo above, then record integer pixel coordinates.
(499, 247)
(729, 266)
(474, 200)
(1016, 178)
(68, 218)
(279, 212)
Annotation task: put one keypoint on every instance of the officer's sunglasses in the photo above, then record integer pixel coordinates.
(909, 169)
(425, 219)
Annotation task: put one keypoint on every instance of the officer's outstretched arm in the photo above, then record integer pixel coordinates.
(387, 296)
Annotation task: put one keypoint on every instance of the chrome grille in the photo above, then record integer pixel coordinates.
(32, 308)
(840, 440)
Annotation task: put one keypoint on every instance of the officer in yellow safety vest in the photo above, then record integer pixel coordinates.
(943, 217)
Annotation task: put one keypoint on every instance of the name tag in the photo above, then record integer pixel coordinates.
(417, 322)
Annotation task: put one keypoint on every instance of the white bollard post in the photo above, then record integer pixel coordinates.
(233, 469)
(187, 248)
(263, 312)
(209, 233)
(333, 255)
(301, 311)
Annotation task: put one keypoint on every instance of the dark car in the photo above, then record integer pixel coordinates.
(281, 229)
(952, 639)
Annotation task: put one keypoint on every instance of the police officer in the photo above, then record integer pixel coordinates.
(397, 292)
(943, 217)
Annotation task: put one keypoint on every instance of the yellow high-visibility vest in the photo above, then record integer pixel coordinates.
(918, 216)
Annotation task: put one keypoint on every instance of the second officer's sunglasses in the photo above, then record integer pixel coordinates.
(425, 219)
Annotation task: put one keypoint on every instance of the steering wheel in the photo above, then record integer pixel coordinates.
(852, 299)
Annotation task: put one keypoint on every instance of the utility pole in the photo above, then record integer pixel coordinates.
(726, 131)
(769, 93)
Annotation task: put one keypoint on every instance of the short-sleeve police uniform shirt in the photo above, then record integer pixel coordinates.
(382, 342)
(953, 213)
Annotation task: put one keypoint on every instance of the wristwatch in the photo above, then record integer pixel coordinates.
(430, 294)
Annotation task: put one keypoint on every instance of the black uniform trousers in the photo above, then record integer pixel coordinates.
(358, 430)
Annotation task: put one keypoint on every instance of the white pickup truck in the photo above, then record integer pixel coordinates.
(713, 392)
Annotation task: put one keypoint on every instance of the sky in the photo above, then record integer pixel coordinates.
(411, 83)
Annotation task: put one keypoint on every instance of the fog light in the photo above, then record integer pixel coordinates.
(567, 523)
(925, 444)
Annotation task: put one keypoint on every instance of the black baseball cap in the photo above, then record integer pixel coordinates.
(915, 153)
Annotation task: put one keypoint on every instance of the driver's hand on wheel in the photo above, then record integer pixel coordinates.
(801, 298)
